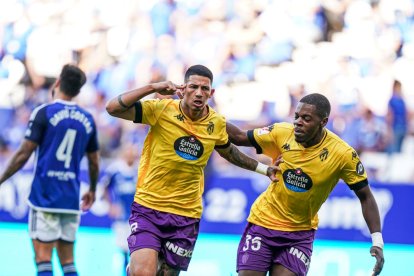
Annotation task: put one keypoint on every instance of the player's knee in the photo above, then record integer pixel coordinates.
(43, 256)
(166, 270)
(134, 270)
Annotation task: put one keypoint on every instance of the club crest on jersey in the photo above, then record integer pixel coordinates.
(188, 147)
(324, 154)
(265, 130)
(210, 128)
(296, 180)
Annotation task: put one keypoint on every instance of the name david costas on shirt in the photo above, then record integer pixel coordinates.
(71, 114)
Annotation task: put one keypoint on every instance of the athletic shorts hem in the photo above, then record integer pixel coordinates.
(251, 268)
(144, 247)
(40, 240)
(66, 241)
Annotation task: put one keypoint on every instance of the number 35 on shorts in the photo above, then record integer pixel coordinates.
(253, 243)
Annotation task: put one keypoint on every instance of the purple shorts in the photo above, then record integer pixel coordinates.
(174, 236)
(260, 248)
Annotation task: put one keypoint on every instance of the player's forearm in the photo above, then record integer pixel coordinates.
(16, 163)
(126, 100)
(93, 164)
(236, 157)
(371, 214)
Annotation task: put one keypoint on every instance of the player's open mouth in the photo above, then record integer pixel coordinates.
(298, 132)
(198, 103)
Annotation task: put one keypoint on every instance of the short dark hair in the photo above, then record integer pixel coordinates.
(199, 70)
(72, 78)
(323, 107)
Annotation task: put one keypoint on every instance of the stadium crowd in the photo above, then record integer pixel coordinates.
(265, 55)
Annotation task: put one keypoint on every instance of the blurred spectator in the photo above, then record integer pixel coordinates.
(371, 132)
(346, 49)
(397, 118)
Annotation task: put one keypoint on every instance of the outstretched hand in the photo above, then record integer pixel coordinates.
(87, 200)
(169, 88)
(272, 170)
(379, 255)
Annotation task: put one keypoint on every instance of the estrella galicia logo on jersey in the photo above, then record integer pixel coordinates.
(324, 154)
(188, 147)
(180, 117)
(360, 168)
(210, 128)
(297, 181)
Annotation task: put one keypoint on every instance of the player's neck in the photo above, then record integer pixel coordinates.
(315, 140)
(62, 96)
(193, 114)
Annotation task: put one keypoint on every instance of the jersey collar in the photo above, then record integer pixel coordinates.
(64, 102)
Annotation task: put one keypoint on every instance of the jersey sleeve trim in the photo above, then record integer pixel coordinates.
(250, 136)
(222, 146)
(138, 112)
(359, 185)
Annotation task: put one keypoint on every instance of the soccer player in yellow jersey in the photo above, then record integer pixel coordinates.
(283, 219)
(167, 207)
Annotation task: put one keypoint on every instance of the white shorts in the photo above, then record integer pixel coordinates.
(49, 227)
(121, 230)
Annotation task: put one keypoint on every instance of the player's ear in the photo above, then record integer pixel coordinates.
(212, 92)
(324, 121)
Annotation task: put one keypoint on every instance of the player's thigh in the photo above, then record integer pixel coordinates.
(143, 262)
(43, 226)
(280, 270)
(295, 257)
(179, 243)
(69, 224)
(251, 273)
(255, 252)
(43, 250)
(65, 252)
(164, 269)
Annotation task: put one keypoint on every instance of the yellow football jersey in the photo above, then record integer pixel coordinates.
(307, 177)
(175, 152)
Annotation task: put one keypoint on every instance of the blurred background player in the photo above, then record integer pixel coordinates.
(120, 182)
(397, 118)
(61, 132)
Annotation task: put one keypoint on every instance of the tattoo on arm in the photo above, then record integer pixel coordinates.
(121, 103)
(236, 157)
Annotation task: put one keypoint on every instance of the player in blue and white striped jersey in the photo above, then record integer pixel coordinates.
(61, 132)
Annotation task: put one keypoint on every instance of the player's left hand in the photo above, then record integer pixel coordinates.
(87, 200)
(379, 255)
(272, 170)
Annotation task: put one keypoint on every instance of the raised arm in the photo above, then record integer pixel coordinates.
(236, 157)
(237, 136)
(120, 106)
(18, 160)
(372, 218)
